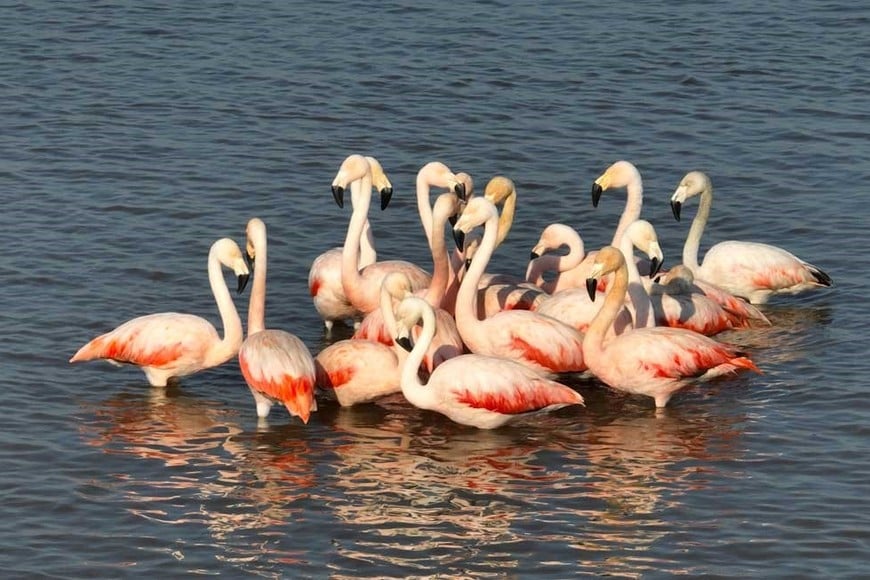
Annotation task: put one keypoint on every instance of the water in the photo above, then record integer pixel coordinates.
(134, 136)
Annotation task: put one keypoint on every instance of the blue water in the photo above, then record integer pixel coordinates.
(134, 135)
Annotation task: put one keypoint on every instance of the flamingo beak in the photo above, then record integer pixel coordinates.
(467, 264)
(386, 196)
(459, 189)
(533, 255)
(338, 195)
(453, 219)
(675, 207)
(591, 287)
(459, 238)
(243, 281)
(655, 266)
(596, 194)
(404, 342)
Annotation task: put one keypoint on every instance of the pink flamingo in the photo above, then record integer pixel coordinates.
(679, 303)
(354, 371)
(476, 390)
(554, 237)
(656, 361)
(435, 174)
(324, 277)
(575, 307)
(170, 345)
(362, 287)
(276, 365)
(541, 342)
(749, 270)
(447, 342)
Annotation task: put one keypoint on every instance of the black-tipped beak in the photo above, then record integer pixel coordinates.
(338, 195)
(459, 238)
(655, 266)
(250, 261)
(676, 207)
(459, 189)
(596, 194)
(453, 219)
(657, 280)
(243, 281)
(467, 264)
(386, 196)
(591, 287)
(404, 342)
(533, 255)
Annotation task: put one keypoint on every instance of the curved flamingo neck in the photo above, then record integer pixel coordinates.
(466, 299)
(441, 263)
(693, 240)
(593, 342)
(633, 205)
(230, 320)
(414, 390)
(637, 294)
(257, 303)
(367, 253)
(423, 206)
(351, 280)
(506, 219)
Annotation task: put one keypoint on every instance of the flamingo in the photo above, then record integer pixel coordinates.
(749, 270)
(553, 237)
(324, 277)
(476, 390)
(541, 342)
(363, 286)
(657, 361)
(436, 174)
(276, 365)
(170, 345)
(576, 308)
(354, 371)
(447, 342)
(678, 302)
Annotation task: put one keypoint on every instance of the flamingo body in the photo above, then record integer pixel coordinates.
(278, 367)
(750, 270)
(357, 371)
(652, 361)
(476, 390)
(170, 345)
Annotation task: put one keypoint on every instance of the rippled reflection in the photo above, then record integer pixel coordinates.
(399, 490)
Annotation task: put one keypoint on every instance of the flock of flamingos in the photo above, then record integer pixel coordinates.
(480, 348)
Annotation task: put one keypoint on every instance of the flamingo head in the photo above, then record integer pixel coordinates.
(230, 256)
(620, 174)
(692, 184)
(381, 182)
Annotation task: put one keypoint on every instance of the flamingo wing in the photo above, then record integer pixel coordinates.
(156, 340)
(279, 365)
(503, 386)
(537, 339)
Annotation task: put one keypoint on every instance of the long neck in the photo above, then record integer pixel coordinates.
(593, 342)
(631, 212)
(441, 266)
(506, 219)
(637, 295)
(232, 323)
(466, 299)
(693, 240)
(351, 280)
(424, 208)
(367, 253)
(386, 305)
(257, 303)
(414, 390)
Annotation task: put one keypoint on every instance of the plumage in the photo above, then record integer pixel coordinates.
(750, 270)
(656, 361)
(276, 365)
(543, 343)
(170, 345)
(357, 371)
(476, 390)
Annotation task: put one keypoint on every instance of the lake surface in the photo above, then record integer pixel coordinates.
(134, 135)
